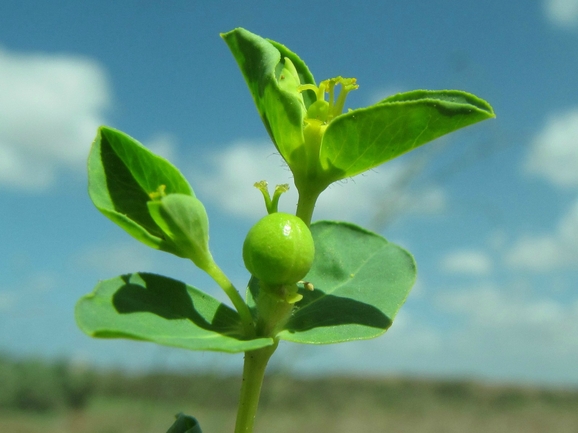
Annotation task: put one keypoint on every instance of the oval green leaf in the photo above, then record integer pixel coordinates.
(367, 137)
(282, 110)
(121, 175)
(361, 281)
(161, 310)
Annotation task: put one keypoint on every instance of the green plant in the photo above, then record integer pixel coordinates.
(357, 280)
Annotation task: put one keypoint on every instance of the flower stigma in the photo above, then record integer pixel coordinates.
(326, 111)
(271, 203)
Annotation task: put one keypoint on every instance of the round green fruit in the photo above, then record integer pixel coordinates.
(279, 249)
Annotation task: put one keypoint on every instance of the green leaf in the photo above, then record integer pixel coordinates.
(305, 75)
(185, 424)
(121, 175)
(161, 310)
(281, 107)
(367, 137)
(361, 281)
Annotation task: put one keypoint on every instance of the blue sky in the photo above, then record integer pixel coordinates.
(490, 213)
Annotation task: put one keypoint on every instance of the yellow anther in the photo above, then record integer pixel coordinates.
(327, 110)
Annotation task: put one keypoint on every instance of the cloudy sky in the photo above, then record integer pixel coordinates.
(490, 213)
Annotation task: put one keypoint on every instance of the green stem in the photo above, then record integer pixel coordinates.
(306, 205)
(242, 308)
(253, 374)
(273, 312)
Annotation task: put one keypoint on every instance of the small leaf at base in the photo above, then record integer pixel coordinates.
(185, 424)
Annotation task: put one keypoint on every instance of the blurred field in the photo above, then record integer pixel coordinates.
(56, 398)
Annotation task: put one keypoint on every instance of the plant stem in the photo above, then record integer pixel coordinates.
(306, 205)
(253, 374)
(242, 308)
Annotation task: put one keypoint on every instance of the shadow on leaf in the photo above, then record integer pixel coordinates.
(170, 300)
(318, 309)
(126, 194)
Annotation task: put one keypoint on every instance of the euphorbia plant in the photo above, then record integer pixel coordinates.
(320, 283)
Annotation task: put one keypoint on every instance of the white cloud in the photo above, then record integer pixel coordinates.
(469, 262)
(510, 332)
(227, 178)
(562, 12)
(515, 324)
(379, 94)
(120, 258)
(163, 144)
(551, 251)
(554, 152)
(28, 292)
(50, 106)
(492, 307)
(379, 195)
(553, 156)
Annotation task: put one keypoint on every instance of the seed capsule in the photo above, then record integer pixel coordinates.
(279, 249)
